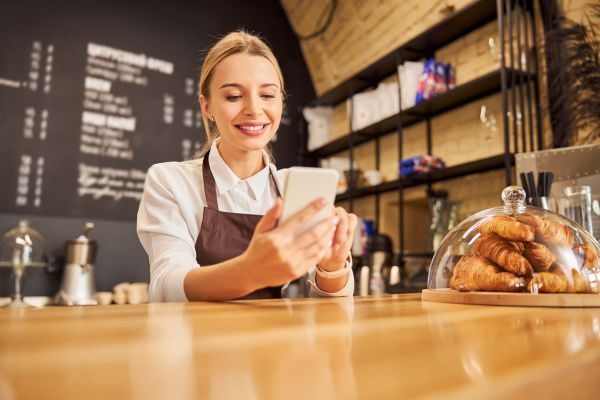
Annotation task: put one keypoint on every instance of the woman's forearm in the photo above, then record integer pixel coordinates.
(230, 280)
(227, 280)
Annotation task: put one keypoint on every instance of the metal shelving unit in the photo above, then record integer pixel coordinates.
(459, 96)
(473, 167)
(514, 72)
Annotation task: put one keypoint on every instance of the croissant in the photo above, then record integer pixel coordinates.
(579, 284)
(548, 282)
(540, 257)
(549, 232)
(555, 281)
(479, 273)
(504, 254)
(508, 228)
(589, 254)
(519, 246)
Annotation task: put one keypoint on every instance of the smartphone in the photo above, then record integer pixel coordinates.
(304, 185)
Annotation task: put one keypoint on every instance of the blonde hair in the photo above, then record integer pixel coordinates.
(233, 43)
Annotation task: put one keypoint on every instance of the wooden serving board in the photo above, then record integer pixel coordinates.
(512, 299)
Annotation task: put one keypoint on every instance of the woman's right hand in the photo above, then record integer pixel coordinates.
(276, 254)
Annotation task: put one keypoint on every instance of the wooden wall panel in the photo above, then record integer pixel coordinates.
(460, 136)
(475, 192)
(361, 31)
(416, 219)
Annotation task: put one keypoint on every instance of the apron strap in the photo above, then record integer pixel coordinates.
(210, 187)
(274, 182)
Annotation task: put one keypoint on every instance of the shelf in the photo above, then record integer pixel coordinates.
(473, 167)
(468, 92)
(465, 20)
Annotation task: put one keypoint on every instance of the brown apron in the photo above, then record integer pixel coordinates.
(224, 235)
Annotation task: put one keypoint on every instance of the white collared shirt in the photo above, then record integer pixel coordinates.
(170, 216)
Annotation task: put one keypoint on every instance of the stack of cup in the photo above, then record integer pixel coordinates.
(576, 204)
(125, 293)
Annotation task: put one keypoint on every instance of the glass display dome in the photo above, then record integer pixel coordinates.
(517, 248)
(20, 248)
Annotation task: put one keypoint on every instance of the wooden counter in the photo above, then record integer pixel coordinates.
(362, 348)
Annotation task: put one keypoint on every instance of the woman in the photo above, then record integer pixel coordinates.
(219, 211)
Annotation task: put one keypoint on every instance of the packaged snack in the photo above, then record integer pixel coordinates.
(440, 79)
(450, 77)
(420, 164)
(426, 86)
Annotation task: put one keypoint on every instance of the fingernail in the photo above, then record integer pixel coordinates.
(336, 220)
(330, 243)
(322, 201)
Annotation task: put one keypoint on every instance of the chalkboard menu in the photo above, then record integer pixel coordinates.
(92, 94)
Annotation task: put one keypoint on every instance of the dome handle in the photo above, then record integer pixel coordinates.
(514, 198)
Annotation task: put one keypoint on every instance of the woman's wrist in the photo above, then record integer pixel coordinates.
(247, 278)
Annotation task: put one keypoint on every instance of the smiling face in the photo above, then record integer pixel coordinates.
(245, 101)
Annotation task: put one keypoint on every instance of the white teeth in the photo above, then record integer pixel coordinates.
(254, 128)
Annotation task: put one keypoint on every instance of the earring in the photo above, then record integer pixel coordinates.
(211, 119)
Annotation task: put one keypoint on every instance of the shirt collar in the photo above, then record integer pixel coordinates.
(226, 179)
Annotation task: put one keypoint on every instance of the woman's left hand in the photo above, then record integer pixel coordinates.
(342, 241)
